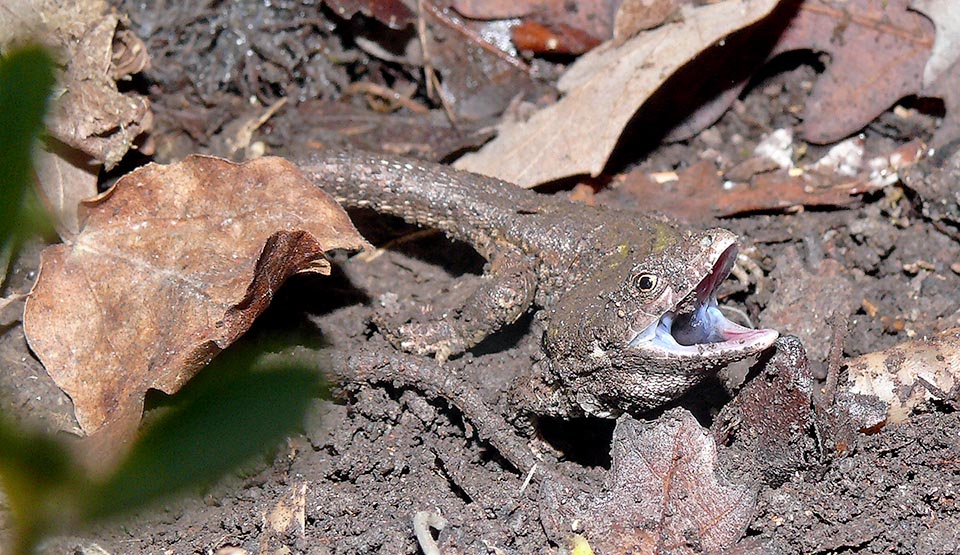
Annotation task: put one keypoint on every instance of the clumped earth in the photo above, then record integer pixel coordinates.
(378, 455)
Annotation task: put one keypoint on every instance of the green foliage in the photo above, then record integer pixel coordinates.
(38, 475)
(228, 413)
(26, 80)
(234, 410)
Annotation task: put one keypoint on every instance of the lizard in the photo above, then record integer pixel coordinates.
(627, 301)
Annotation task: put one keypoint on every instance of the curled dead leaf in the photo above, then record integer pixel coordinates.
(64, 177)
(90, 113)
(172, 265)
(662, 494)
(603, 89)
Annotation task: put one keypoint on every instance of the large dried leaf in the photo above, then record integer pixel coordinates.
(603, 90)
(662, 495)
(909, 374)
(877, 53)
(392, 13)
(172, 265)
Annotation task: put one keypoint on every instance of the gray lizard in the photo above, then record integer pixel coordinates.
(627, 301)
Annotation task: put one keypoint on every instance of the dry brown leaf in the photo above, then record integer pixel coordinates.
(603, 89)
(634, 16)
(502, 9)
(172, 265)
(549, 25)
(909, 374)
(91, 123)
(662, 494)
(477, 79)
(877, 54)
(946, 44)
(64, 178)
(89, 113)
(699, 194)
(392, 13)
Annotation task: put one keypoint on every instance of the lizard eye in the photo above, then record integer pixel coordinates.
(645, 282)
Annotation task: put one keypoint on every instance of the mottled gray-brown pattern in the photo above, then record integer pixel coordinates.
(578, 264)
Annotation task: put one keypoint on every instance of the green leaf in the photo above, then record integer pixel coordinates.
(26, 79)
(227, 414)
(40, 480)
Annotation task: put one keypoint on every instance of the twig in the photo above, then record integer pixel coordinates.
(423, 521)
(838, 322)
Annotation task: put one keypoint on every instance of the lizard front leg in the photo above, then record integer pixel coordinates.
(506, 292)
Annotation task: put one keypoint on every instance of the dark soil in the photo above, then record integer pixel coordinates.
(375, 455)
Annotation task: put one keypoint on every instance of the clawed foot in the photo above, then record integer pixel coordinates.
(431, 334)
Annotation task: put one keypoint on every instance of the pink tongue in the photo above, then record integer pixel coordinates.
(731, 331)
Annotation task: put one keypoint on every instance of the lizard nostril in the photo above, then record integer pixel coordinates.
(706, 241)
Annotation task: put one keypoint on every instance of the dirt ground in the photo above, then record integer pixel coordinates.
(376, 455)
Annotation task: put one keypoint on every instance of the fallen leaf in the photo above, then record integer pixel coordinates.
(910, 374)
(172, 265)
(89, 113)
(392, 13)
(478, 79)
(698, 194)
(64, 178)
(549, 26)
(877, 54)
(603, 89)
(662, 494)
(634, 16)
(558, 39)
(946, 42)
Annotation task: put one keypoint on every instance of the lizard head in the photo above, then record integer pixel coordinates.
(644, 326)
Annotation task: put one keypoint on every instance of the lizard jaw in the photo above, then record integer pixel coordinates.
(703, 332)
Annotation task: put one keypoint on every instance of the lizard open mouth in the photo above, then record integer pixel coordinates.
(697, 327)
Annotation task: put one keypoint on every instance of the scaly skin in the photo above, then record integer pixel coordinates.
(598, 275)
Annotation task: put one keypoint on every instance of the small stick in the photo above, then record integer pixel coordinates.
(423, 521)
(839, 323)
